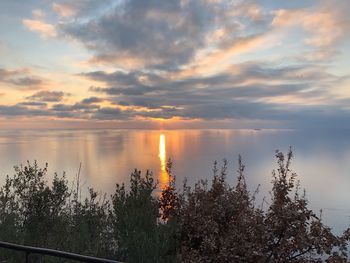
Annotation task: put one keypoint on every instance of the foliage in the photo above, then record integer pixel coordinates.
(221, 223)
(135, 214)
(211, 222)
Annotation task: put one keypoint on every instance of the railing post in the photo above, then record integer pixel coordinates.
(27, 257)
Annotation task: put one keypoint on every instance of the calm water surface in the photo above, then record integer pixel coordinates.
(322, 159)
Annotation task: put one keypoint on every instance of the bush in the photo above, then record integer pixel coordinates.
(220, 223)
(211, 222)
(135, 215)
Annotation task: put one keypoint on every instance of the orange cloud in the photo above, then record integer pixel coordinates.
(126, 61)
(44, 29)
(325, 27)
(64, 10)
(220, 59)
(250, 10)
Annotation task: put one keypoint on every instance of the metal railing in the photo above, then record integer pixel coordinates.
(54, 253)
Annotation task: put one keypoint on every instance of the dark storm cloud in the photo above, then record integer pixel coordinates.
(48, 96)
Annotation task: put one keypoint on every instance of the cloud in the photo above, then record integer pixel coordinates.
(82, 108)
(164, 34)
(47, 96)
(92, 100)
(109, 113)
(194, 60)
(19, 110)
(65, 9)
(32, 109)
(38, 14)
(252, 91)
(132, 83)
(325, 26)
(21, 78)
(6, 73)
(122, 78)
(45, 30)
(141, 90)
(220, 59)
(27, 81)
(32, 103)
(255, 91)
(230, 104)
(79, 8)
(89, 111)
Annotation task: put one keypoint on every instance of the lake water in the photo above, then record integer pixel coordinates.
(322, 159)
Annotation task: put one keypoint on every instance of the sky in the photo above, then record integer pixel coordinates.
(174, 64)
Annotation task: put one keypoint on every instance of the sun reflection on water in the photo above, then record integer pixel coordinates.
(163, 175)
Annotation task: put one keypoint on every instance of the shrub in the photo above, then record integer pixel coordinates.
(211, 222)
(220, 223)
(135, 215)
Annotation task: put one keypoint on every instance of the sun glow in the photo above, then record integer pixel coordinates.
(163, 175)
